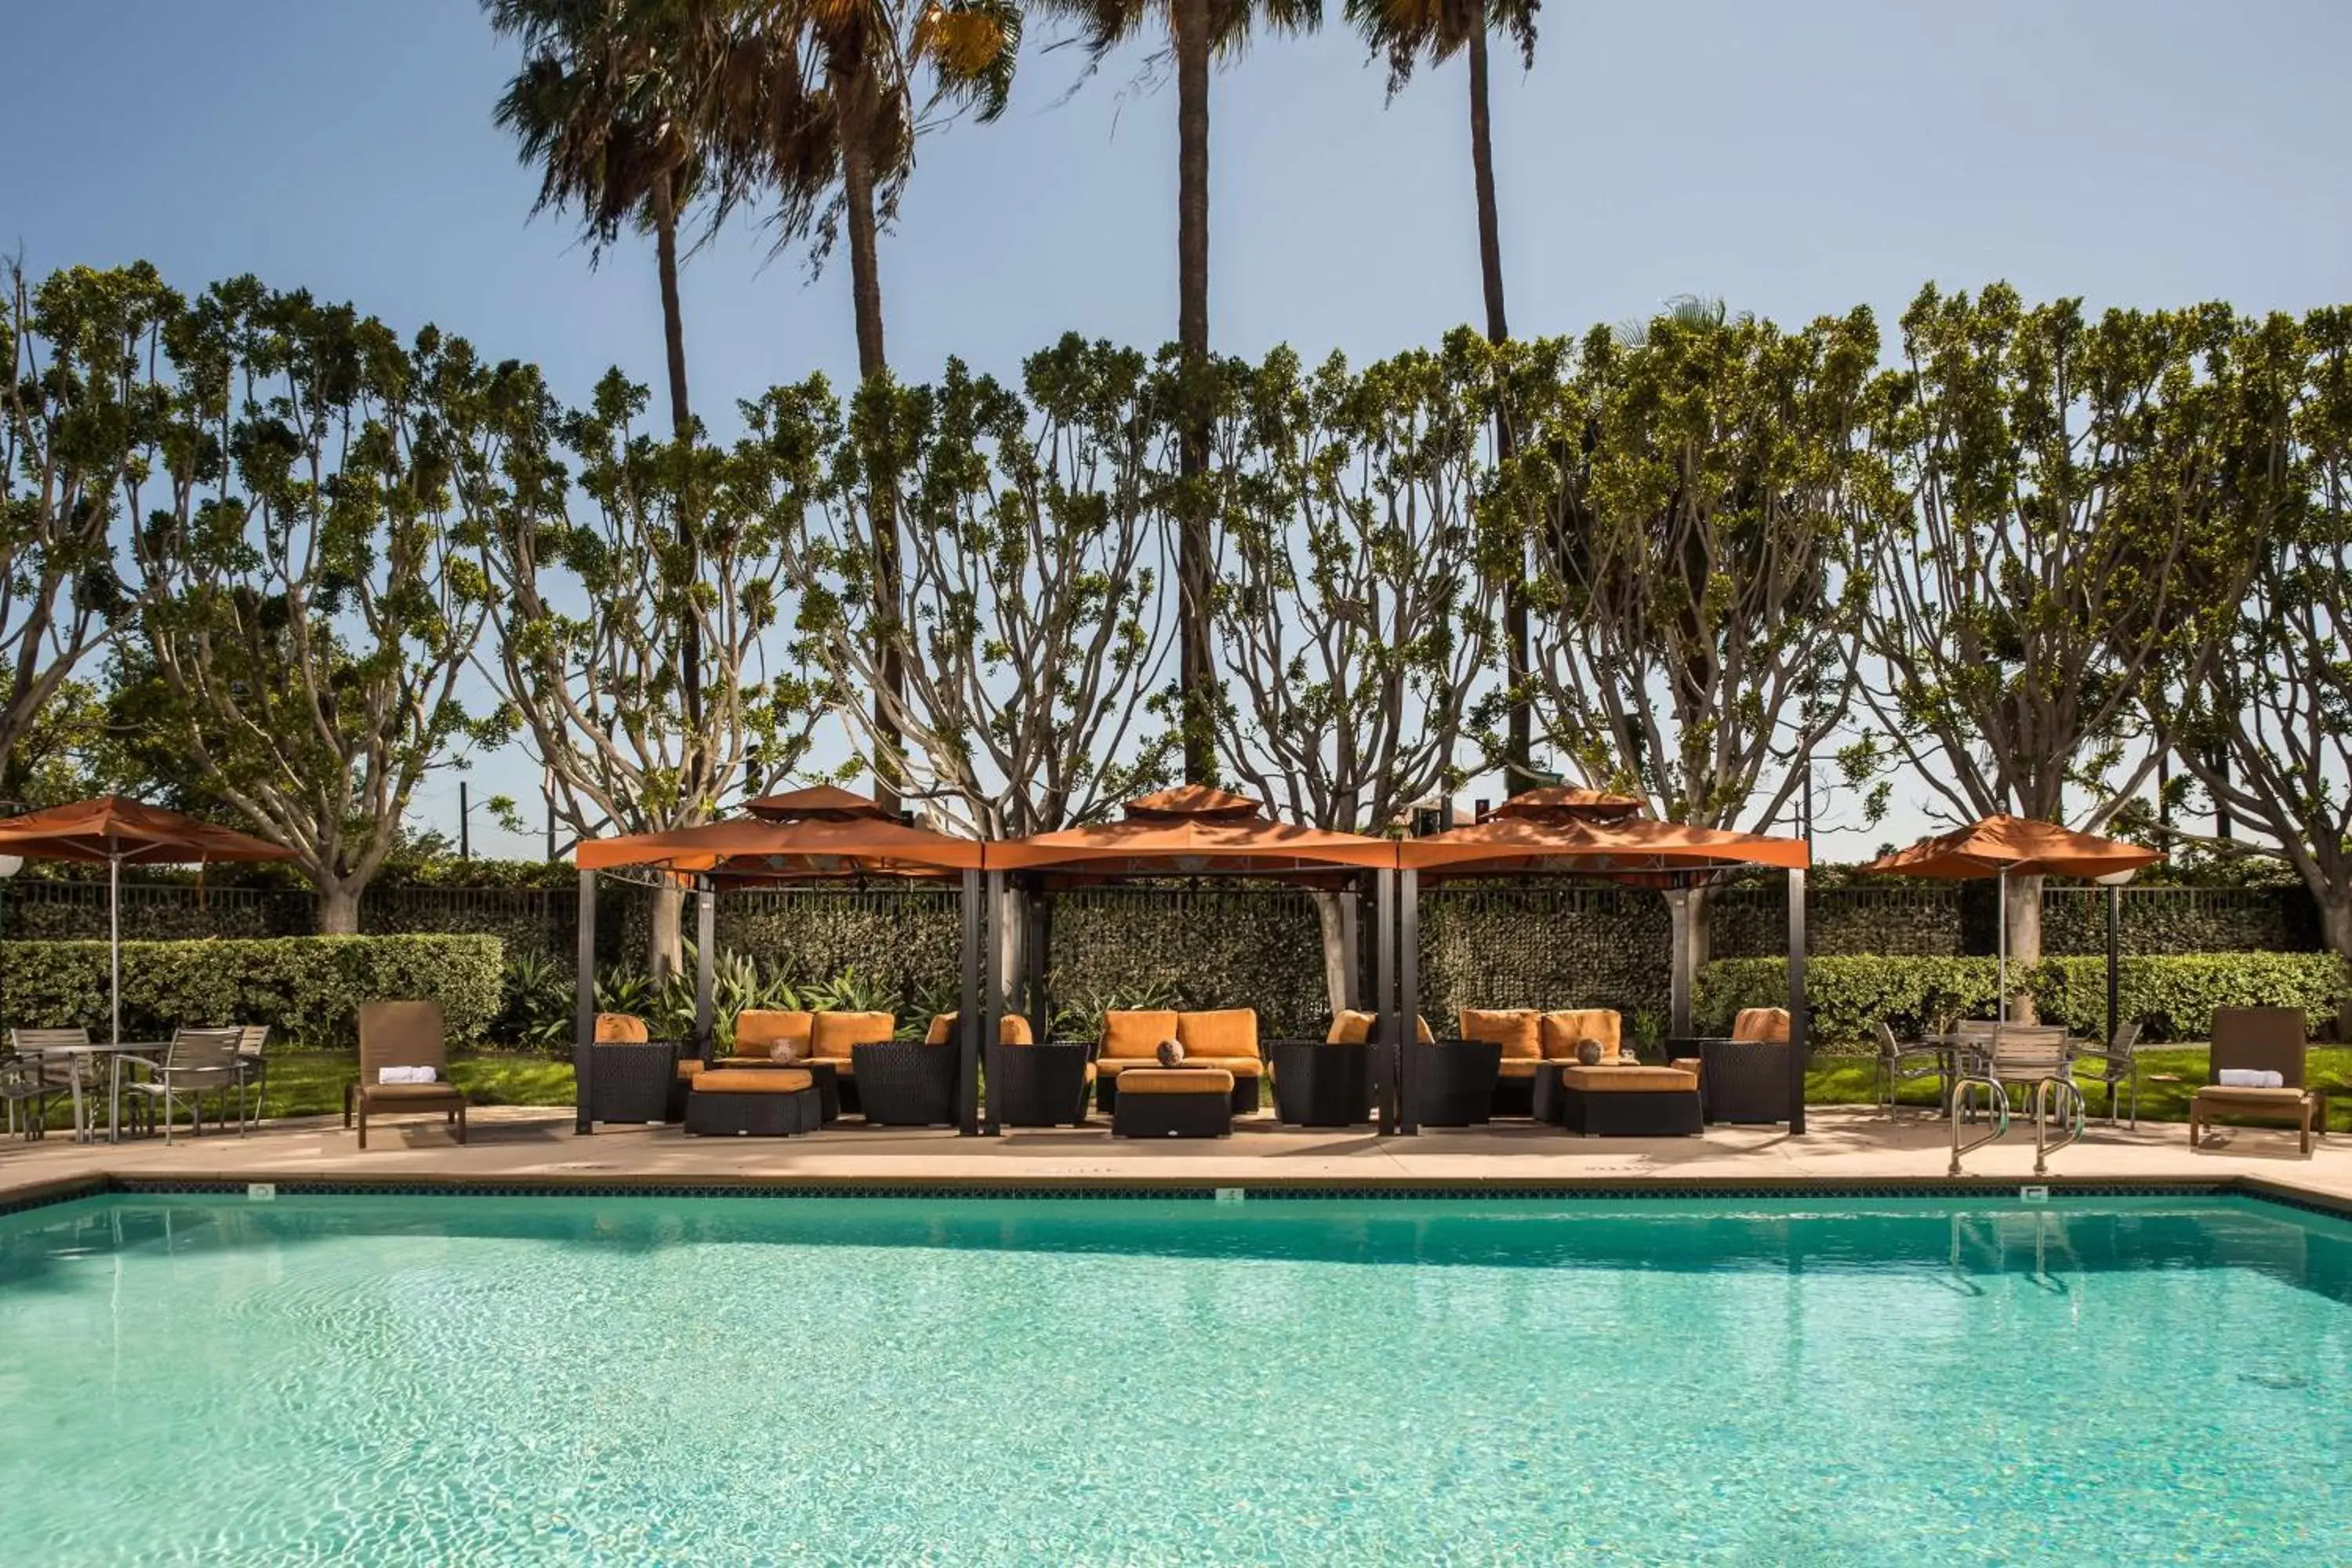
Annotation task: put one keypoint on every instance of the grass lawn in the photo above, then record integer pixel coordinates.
(1846, 1080)
(310, 1083)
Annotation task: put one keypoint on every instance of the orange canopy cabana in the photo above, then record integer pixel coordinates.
(810, 835)
(1190, 831)
(117, 831)
(1585, 833)
(773, 848)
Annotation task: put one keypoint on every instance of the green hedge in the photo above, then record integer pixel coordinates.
(2173, 996)
(307, 988)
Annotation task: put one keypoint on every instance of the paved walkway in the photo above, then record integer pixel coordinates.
(1841, 1146)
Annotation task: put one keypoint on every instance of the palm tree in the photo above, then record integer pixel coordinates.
(829, 130)
(1198, 32)
(609, 106)
(1405, 31)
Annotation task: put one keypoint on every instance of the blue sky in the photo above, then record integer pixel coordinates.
(1793, 158)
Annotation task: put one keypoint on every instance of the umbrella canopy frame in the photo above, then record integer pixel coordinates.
(2001, 844)
(817, 835)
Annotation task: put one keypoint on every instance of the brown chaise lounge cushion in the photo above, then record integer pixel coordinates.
(1157, 1079)
(753, 1081)
(2262, 1039)
(405, 1034)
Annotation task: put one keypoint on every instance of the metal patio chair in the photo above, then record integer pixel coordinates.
(198, 1062)
(2118, 1068)
(1900, 1063)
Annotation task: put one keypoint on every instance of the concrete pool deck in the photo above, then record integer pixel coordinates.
(1841, 1147)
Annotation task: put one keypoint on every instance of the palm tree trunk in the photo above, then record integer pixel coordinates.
(1190, 24)
(1520, 745)
(865, 294)
(665, 950)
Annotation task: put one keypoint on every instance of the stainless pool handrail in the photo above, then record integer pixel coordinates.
(2049, 1095)
(1996, 1106)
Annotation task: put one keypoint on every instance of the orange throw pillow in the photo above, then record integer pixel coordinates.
(1137, 1034)
(1517, 1029)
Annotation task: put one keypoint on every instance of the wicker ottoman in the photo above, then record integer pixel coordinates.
(1173, 1102)
(767, 1102)
(1629, 1101)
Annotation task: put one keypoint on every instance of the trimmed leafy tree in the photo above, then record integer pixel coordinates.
(1350, 612)
(82, 411)
(1699, 490)
(313, 601)
(2268, 732)
(590, 656)
(1034, 619)
(2081, 518)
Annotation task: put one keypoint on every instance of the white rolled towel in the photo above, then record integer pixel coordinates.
(2249, 1078)
(406, 1074)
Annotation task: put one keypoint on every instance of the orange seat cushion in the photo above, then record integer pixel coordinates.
(1521, 1067)
(1225, 1032)
(1012, 1029)
(1175, 1080)
(1137, 1034)
(1517, 1029)
(753, 1080)
(1629, 1080)
(758, 1031)
(834, 1033)
(1564, 1031)
(1761, 1024)
(621, 1028)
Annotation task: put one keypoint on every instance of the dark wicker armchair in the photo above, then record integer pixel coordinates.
(1041, 1086)
(905, 1084)
(1451, 1083)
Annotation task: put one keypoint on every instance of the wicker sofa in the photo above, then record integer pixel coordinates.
(1535, 1042)
(829, 1038)
(1225, 1038)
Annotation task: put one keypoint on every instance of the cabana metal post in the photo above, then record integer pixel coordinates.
(1397, 1098)
(972, 1021)
(1800, 1025)
(584, 1005)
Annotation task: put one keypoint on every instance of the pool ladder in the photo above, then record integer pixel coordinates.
(2056, 1099)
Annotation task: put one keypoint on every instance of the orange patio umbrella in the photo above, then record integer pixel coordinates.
(2001, 844)
(118, 831)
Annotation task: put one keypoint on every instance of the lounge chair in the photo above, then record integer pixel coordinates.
(403, 1035)
(2257, 1039)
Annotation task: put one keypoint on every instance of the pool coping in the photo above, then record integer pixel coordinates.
(69, 1189)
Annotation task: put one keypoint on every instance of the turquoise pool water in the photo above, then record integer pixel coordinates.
(395, 1381)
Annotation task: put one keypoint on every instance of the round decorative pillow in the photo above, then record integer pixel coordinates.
(1171, 1053)
(784, 1051)
(1589, 1052)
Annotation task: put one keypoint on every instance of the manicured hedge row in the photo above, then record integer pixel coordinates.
(307, 988)
(2173, 996)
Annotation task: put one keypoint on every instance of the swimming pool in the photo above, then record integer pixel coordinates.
(515, 1380)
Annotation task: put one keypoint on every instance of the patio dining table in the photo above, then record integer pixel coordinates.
(1956, 1053)
(113, 1053)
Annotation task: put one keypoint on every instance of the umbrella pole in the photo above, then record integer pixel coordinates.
(2000, 923)
(114, 940)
